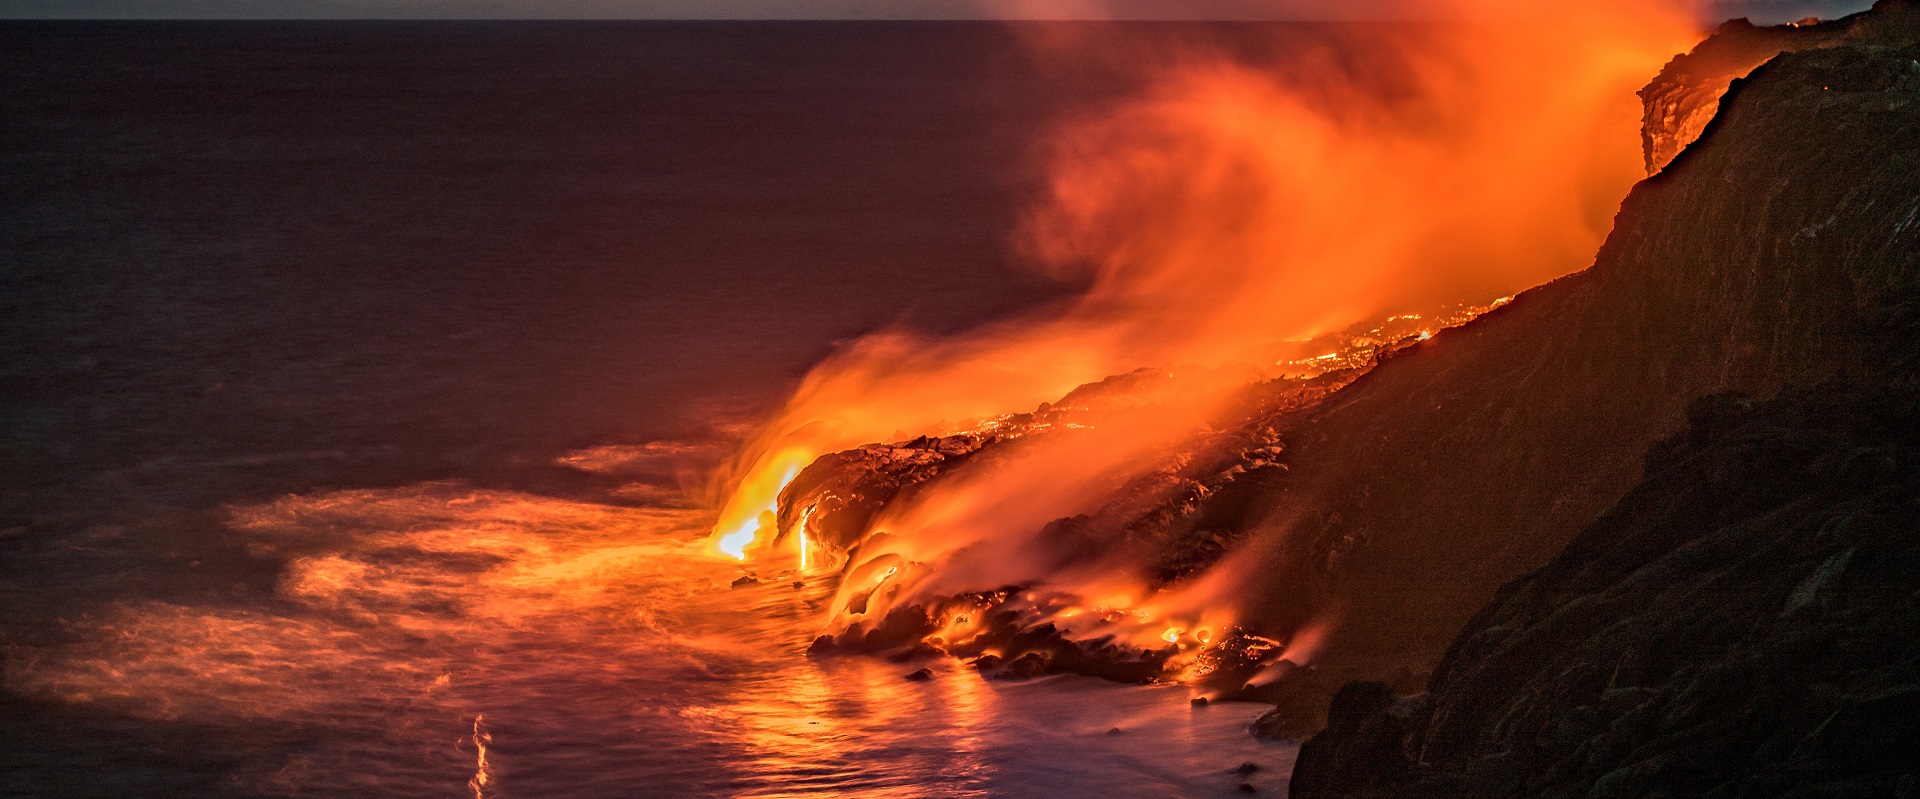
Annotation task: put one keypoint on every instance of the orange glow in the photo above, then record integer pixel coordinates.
(482, 773)
(1225, 217)
(480, 563)
(750, 511)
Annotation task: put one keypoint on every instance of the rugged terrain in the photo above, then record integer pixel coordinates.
(1680, 101)
(1738, 623)
(1387, 507)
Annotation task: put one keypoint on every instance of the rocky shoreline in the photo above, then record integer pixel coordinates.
(1756, 297)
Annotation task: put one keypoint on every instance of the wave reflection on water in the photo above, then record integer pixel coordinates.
(441, 640)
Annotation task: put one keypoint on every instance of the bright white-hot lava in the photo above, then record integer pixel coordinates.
(1230, 210)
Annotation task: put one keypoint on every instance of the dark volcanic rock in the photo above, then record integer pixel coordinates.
(1683, 98)
(1013, 642)
(1773, 253)
(1739, 623)
(839, 493)
(1164, 525)
(1363, 745)
(1176, 519)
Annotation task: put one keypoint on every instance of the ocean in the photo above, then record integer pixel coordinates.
(361, 383)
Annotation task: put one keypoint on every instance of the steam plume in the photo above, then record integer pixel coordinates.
(1234, 207)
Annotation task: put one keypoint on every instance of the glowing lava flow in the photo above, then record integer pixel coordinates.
(805, 561)
(1236, 216)
(751, 511)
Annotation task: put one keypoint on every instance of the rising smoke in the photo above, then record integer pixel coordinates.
(1245, 200)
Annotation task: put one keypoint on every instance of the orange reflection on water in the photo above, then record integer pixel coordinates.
(438, 640)
(859, 726)
(380, 591)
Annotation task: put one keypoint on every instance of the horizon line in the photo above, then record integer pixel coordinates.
(1761, 11)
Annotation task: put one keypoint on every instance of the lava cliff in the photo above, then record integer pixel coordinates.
(1738, 623)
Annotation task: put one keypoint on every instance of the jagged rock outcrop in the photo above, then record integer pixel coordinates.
(1363, 745)
(1159, 514)
(1165, 524)
(1739, 624)
(838, 494)
(1680, 101)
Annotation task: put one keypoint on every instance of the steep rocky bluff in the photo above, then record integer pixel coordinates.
(1680, 101)
(1740, 622)
(1750, 264)
(1389, 506)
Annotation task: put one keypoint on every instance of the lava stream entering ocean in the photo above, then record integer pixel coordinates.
(1232, 216)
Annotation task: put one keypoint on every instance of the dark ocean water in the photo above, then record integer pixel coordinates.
(349, 374)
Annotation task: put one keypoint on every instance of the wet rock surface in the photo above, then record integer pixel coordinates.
(1008, 645)
(1739, 623)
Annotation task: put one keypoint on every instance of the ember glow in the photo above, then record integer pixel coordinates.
(441, 631)
(755, 467)
(748, 517)
(1246, 219)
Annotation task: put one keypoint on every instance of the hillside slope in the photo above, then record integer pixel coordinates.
(1740, 623)
(1760, 259)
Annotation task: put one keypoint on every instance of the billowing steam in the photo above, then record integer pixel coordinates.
(1234, 208)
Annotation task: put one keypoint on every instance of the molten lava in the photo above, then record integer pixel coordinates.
(1243, 216)
(749, 514)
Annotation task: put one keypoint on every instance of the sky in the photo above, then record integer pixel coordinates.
(1758, 10)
